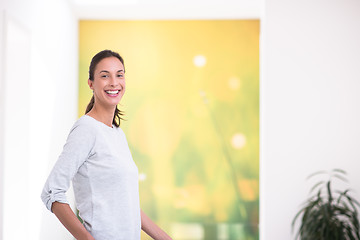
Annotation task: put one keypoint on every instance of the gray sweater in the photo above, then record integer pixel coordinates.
(97, 159)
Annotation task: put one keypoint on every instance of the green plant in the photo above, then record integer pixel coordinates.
(328, 214)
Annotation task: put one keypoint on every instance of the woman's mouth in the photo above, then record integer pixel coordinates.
(112, 93)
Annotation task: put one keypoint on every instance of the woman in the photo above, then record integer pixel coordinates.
(96, 157)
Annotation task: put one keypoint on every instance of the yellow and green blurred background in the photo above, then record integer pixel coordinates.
(192, 119)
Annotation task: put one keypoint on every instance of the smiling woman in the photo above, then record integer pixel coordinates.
(97, 159)
(109, 86)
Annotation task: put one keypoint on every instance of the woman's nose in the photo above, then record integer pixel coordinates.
(114, 81)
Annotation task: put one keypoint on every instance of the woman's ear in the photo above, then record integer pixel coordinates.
(91, 83)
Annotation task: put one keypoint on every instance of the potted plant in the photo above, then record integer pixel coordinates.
(328, 214)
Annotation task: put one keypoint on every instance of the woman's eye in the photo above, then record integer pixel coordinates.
(120, 75)
(104, 76)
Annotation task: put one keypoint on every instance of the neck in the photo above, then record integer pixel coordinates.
(104, 115)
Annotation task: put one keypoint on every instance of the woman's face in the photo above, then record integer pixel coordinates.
(109, 82)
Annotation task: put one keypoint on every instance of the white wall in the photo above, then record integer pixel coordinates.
(165, 9)
(310, 102)
(1, 121)
(16, 131)
(48, 110)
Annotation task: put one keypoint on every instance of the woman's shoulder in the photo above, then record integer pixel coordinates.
(84, 125)
(82, 133)
(84, 121)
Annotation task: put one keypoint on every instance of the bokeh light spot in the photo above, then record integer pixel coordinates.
(142, 177)
(238, 140)
(199, 61)
(234, 83)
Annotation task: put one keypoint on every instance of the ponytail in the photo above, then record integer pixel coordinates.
(90, 105)
(117, 116)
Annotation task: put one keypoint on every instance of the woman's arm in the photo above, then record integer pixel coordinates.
(67, 217)
(152, 229)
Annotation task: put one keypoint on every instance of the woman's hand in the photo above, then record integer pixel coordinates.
(68, 218)
(152, 229)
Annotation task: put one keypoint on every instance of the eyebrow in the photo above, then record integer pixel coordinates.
(105, 71)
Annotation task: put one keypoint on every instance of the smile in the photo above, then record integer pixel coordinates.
(112, 93)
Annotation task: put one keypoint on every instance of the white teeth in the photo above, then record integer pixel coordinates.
(112, 92)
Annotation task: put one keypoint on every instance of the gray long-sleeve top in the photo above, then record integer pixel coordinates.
(97, 159)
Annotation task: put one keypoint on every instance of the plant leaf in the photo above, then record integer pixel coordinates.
(340, 196)
(316, 173)
(340, 177)
(329, 191)
(316, 185)
(350, 200)
(339, 171)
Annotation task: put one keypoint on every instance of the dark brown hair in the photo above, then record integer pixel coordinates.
(94, 62)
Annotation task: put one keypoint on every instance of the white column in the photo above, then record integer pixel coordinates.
(15, 117)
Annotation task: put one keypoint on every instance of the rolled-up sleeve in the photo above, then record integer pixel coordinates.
(78, 147)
